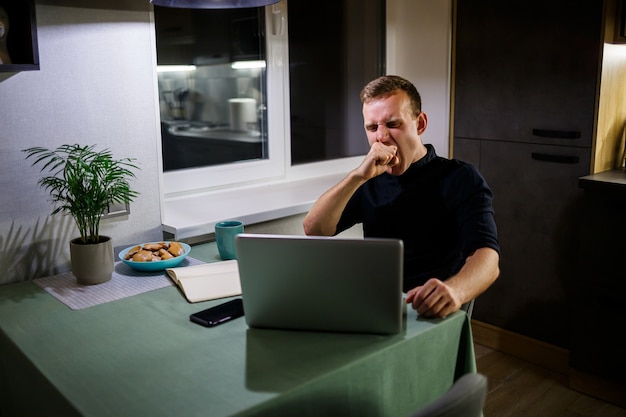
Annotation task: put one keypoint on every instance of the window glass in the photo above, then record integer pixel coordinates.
(332, 55)
(211, 76)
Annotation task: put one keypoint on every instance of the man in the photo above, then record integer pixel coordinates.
(440, 208)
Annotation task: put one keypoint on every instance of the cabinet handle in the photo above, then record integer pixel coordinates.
(558, 134)
(560, 159)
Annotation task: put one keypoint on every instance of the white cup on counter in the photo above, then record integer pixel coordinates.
(243, 114)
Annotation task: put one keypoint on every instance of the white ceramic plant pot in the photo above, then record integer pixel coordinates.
(92, 263)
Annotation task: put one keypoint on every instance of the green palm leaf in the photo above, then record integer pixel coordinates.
(84, 183)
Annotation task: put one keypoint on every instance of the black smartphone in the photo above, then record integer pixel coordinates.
(219, 314)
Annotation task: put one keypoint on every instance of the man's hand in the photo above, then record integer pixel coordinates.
(380, 158)
(434, 299)
(440, 299)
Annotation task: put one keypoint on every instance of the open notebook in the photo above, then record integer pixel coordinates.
(207, 281)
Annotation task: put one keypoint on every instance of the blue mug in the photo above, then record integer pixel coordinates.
(225, 233)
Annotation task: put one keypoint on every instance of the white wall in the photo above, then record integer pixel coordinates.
(419, 38)
(96, 85)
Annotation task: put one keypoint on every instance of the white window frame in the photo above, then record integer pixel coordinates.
(203, 179)
(277, 166)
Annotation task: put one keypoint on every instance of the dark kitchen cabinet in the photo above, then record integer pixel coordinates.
(525, 96)
(537, 203)
(206, 36)
(598, 345)
(526, 71)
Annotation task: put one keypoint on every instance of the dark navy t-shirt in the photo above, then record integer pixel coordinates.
(440, 208)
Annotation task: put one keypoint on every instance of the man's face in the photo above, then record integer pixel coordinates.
(390, 121)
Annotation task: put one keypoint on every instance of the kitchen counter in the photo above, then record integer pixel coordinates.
(189, 145)
(220, 133)
(204, 131)
(598, 284)
(608, 181)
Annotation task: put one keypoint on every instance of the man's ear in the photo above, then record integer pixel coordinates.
(422, 122)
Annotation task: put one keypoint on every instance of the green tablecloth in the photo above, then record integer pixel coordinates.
(142, 356)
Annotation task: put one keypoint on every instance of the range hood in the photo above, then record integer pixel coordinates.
(213, 4)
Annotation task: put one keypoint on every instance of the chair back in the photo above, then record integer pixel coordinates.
(469, 308)
(466, 398)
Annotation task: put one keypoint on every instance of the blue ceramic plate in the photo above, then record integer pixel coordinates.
(155, 265)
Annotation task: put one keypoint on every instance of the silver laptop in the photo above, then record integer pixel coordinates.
(321, 283)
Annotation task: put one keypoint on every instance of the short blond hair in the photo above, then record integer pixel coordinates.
(388, 85)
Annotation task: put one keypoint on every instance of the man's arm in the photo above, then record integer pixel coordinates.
(323, 217)
(438, 298)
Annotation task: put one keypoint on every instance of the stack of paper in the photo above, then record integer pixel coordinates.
(207, 281)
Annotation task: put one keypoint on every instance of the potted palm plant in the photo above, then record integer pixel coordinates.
(84, 182)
